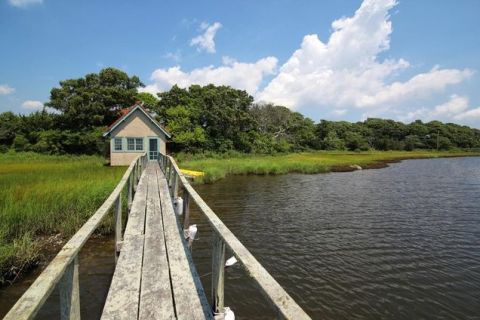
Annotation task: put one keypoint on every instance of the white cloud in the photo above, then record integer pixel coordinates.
(453, 109)
(6, 89)
(24, 3)
(32, 105)
(205, 41)
(346, 72)
(247, 76)
(344, 75)
(469, 116)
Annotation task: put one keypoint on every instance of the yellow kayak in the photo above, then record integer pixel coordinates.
(192, 173)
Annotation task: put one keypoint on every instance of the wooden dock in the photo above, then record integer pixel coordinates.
(155, 277)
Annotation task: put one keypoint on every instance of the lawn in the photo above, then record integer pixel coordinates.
(217, 167)
(43, 195)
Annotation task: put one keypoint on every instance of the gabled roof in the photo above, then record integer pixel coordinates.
(127, 113)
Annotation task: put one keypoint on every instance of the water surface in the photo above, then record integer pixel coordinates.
(397, 243)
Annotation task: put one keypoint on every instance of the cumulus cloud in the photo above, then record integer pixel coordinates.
(32, 105)
(247, 76)
(456, 108)
(6, 89)
(346, 74)
(24, 3)
(346, 71)
(205, 41)
(470, 115)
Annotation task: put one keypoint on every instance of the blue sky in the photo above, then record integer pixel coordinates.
(338, 60)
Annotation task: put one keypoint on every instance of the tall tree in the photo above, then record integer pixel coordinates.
(94, 100)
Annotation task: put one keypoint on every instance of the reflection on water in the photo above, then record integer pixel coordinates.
(396, 243)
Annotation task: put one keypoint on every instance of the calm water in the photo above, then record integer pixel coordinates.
(396, 243)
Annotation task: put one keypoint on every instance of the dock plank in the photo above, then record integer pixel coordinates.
(189, 302)
(156, 301)
(136, 218)
(122, 300)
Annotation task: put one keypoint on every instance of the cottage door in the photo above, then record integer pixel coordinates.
(153, 149)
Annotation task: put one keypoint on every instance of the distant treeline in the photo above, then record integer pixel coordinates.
(208, 118)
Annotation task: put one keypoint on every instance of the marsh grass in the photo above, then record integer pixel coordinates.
(42, 195)
(218, 166)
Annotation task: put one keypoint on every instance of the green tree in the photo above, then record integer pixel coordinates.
(148, 99)
(94, 100)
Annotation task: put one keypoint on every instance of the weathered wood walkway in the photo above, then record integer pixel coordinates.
(154, 278)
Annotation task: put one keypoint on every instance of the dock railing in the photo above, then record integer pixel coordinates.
(62, 271)
(279, 299)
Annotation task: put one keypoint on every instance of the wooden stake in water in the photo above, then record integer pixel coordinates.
(70, 292)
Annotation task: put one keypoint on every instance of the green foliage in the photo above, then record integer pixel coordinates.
(187, 134)
(94, 100)
(209, 119)
(45, 195)
(148, 99)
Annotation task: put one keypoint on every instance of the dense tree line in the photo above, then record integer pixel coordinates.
(208, 118)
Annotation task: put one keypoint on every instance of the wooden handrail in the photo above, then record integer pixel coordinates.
(285, 306)
(63, 269)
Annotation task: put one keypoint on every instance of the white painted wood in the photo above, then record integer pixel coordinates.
(69, 292)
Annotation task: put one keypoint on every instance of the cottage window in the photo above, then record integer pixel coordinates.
(139, 144)
(118, 144)
(130, 144)
(134, 144)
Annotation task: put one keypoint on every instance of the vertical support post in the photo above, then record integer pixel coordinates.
(130, 191)
(133, 177)
(176, 186)
(70, 292)
(168, 171)
(173, 185)
(218, 273)
(186, 209)
(118, 225)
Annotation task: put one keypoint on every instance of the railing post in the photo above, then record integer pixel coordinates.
(168, 171)
(130, 191)
(118, 225)
(69, 292)
(176, 186)
(186, 209)
(218, 273)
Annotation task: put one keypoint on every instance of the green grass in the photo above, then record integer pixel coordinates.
(217, 167)
(42, 195)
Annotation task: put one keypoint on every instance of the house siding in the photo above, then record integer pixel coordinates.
(137, 125)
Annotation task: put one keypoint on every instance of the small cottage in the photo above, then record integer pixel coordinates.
(135, 132)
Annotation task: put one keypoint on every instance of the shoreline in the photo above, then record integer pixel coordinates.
(216, 168)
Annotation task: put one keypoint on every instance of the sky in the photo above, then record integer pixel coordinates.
(336, 60)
